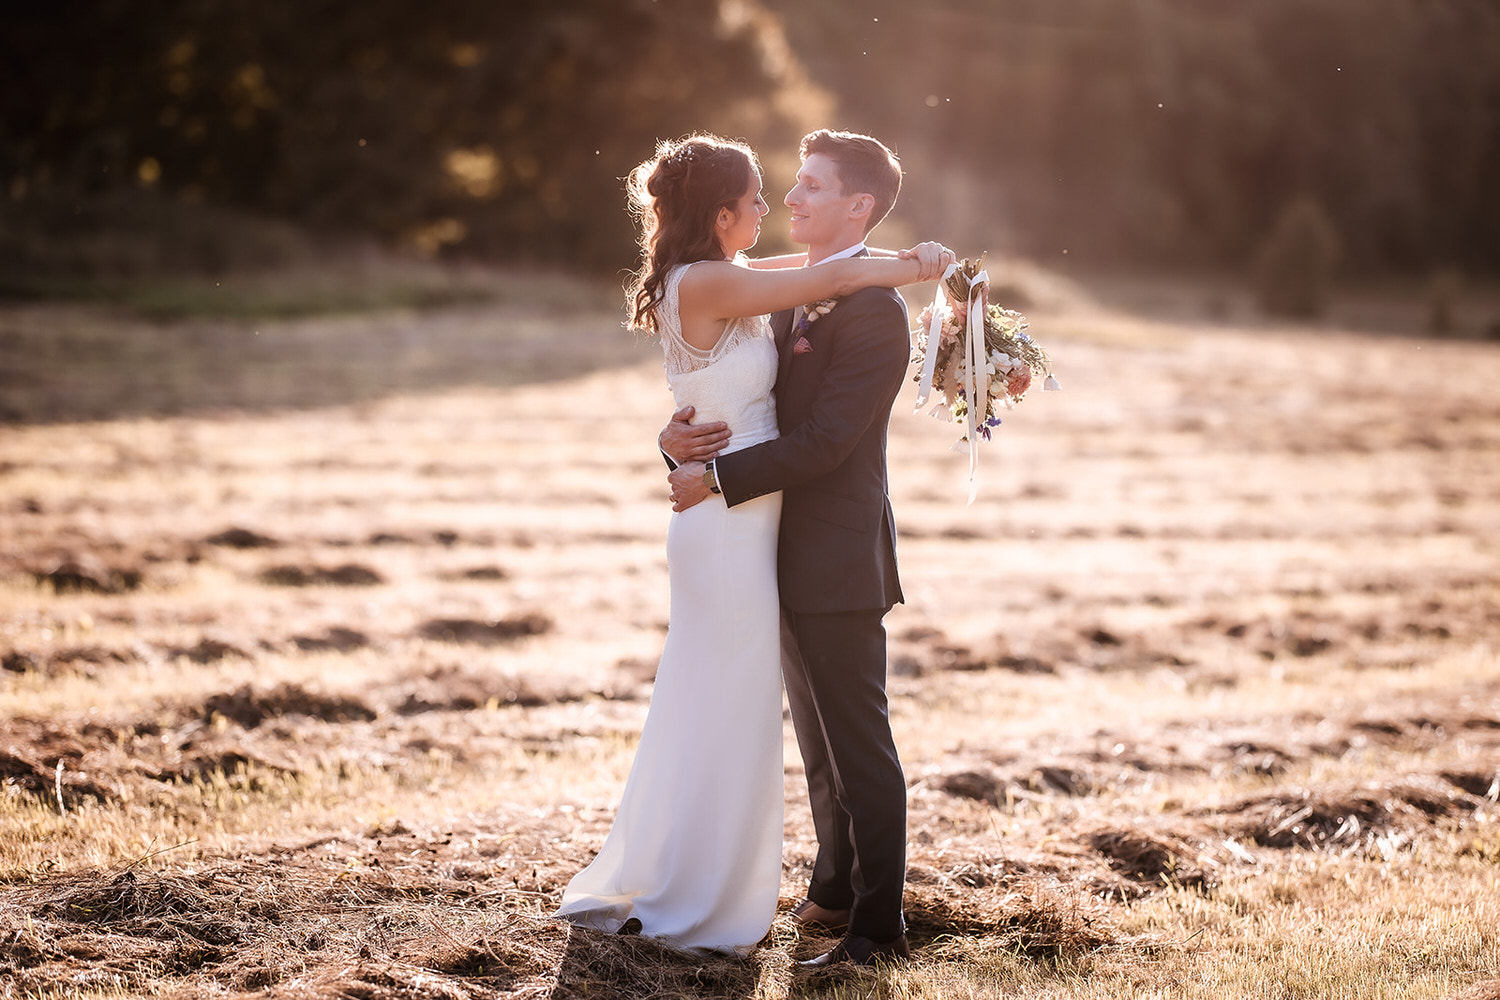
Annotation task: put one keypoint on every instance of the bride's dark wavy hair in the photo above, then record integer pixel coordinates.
(676, 197)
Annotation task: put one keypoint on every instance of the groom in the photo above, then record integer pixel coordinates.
(837, 380)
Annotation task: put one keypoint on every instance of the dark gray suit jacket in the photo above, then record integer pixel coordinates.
(833, 405)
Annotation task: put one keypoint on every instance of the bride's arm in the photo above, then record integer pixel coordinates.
(715, 290)
(799, 259)
(778, 262)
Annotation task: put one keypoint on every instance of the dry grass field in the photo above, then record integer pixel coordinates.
(325, 641)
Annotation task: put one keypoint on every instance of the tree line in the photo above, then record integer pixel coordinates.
(1170, 131)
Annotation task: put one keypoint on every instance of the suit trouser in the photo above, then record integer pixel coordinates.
(836, 690)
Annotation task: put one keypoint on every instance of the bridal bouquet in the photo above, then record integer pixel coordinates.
(980, 357)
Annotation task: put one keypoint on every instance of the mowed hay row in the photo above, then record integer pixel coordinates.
(254, 924)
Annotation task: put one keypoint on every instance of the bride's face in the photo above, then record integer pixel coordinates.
(741, 231)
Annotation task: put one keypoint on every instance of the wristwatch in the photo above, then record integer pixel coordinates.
(710, 479)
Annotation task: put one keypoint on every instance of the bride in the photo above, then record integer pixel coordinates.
(694, 855)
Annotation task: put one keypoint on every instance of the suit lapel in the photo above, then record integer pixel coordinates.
(781, 329)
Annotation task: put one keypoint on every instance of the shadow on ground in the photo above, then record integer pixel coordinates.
(67, 363)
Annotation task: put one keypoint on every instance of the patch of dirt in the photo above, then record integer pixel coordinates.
(1151, 858)
(236, 920)
(976, 785)
(485, 633)
(639, 669)
(85, 660)
(614, 965)
(335, 639)
(484, 573)
(1039, 915)
(999, 788)
(250, 707)
(390, 538)
(111, 763)
(1480, 784)
(88, 575)
(456, 689)
(1319, 818)
(209, 650)
(919, 652)
(443, 537)
(22, 662)
(52, 769)
(197, 757)
(346, 575)
(242, 538)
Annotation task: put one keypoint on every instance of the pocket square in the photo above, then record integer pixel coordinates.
(801, 346)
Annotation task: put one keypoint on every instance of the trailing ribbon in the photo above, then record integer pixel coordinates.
(934, 328)
(977, 383)
(978, 386)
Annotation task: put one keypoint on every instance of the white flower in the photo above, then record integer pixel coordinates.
(1052, 384)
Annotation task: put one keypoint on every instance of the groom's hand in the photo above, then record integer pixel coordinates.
(688, 487)
(682, 441)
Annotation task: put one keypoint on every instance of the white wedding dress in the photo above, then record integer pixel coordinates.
(695, 850)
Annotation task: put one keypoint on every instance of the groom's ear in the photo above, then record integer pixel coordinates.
(863, 205)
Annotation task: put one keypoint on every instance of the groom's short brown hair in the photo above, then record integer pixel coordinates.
(865, 166)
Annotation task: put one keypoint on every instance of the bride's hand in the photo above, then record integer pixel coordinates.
(932, 259)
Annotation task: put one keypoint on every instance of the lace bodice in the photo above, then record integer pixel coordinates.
(730, 382)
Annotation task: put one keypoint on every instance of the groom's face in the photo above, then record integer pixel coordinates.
(820, 208)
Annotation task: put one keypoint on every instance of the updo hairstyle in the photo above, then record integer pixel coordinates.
(676, 197)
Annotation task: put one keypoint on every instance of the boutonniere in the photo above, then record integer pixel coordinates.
(810, 315)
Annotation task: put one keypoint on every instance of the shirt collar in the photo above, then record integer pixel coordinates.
(853, 251)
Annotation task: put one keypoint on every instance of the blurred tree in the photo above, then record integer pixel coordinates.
(1173, 130)
(1295, 263)
(497, 128)
(1141, 130)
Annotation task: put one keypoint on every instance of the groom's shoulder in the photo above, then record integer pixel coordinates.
(874, 305)
(879, 299)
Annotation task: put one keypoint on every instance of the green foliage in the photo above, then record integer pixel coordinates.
(1295, 263)
(1170, 130)
(496, 128)
(1153, 130)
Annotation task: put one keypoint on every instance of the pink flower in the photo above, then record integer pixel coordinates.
(1018, 381)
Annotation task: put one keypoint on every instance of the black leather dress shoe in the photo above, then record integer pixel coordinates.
(858, 950)
(810, 916)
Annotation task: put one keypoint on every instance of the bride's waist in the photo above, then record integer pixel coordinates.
(742, 439)
(748, 425)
